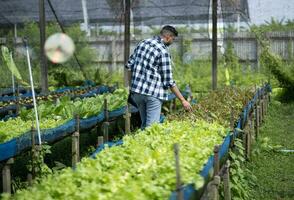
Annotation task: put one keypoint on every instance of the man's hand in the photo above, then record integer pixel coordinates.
(184, 102)
(186, 105)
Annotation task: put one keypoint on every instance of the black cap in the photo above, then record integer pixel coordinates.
(171, 29)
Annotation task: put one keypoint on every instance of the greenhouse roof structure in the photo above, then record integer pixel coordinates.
(111, 12)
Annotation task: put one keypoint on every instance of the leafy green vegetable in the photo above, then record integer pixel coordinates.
(53, 114)
(142, 168)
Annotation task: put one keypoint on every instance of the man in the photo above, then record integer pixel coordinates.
(150, 72)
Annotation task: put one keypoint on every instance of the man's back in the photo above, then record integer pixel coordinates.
(151, 67)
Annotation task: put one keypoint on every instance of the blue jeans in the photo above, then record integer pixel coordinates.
(149, 108)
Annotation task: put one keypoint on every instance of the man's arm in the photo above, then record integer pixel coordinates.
(178, 94)
(168, 81)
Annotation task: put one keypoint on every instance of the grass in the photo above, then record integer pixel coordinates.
(274, 170)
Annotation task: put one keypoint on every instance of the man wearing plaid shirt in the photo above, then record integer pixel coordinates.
(151, 75)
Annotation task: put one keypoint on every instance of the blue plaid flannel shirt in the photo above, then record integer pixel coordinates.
(151, 69)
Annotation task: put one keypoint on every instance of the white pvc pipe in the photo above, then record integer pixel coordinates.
(86, 18)
(33, 94)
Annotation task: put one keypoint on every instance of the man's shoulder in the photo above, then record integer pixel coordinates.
(156, 43)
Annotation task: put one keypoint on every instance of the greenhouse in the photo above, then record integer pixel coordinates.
(145, 99)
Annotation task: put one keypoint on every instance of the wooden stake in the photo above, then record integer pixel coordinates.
(266, 103)
(247, 142)
(34, 154)
(216, 160)
(249, 139)
(232, 127)
(244, 140)
(261, 110)
(6, 176)
(256, 124)
(213, 188)
(100, 141)
(106, 112)
(226, 178)
(127, 117)
(179, 191)
(232, 121)
(76, 143)
(30, 179)
(106, 124)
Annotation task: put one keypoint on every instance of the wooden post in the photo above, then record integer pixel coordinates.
(232, 119)
(6, 176)
(127, 40)
(44, 66)
(266, 104)
(34, 154)
(178, 174)
(244, 118)
(244, 140)
(75, 147)
(105, 124)
(256, 124)
(213, 188)
(30, 179)
(226, 178)
(216, 160)
(232, 127)
(214, 44)
(127, 117)
(260, 103)
(106, 131)
(247, 140)
(100, 141)
(127, 43)
(261, 110)
(260, 113)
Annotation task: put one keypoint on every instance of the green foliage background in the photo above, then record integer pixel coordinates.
(197, 73)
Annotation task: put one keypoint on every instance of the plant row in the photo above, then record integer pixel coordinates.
(143, 167)
(218, 106)
(52, 114)
(27, 99)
